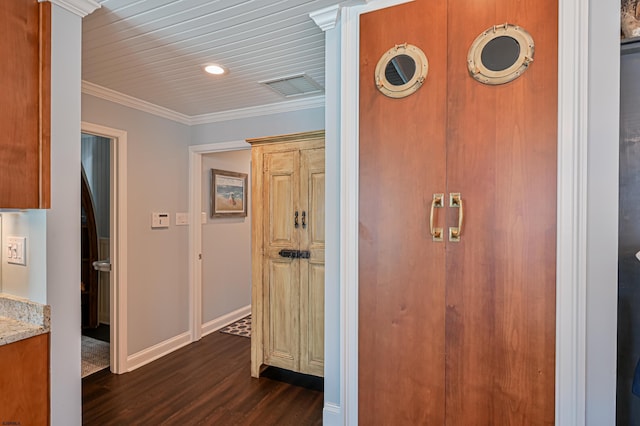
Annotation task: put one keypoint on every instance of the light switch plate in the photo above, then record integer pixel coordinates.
(182, 218)
(17, 250)
(159, 220)
(203, 217)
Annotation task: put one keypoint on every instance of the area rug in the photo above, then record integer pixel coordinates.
(95, 355)
(242, 327)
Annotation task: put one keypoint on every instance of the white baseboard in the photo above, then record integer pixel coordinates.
(148, 355)
(331, 415)
(218, 323)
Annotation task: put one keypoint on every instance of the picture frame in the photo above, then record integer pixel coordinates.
(228, 194)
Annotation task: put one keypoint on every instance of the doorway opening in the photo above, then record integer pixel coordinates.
(104, 253)
(206, 320)
(95, 248)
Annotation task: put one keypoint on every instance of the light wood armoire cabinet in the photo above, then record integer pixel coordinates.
(288, 253)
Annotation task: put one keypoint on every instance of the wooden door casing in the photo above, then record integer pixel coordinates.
(401, 270)
(463, 333)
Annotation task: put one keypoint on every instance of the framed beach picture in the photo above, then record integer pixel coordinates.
(228, 194)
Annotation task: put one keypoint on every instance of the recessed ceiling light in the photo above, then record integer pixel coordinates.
(214, 69)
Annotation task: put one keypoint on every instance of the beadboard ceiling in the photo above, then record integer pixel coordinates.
(154, 51)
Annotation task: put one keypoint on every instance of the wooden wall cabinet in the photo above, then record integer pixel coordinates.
(458, 327)
(25, 47)
(288, 253)
(24, 381)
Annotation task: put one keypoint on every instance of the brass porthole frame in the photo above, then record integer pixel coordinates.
(410, 87)
(486, 76)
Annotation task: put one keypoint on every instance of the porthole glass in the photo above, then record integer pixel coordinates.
(401, 71)
(500, 54)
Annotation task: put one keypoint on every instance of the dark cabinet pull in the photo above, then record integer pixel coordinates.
(295, 254)
(291, 254)
(304, 254)
(304, 219)
(295, 220)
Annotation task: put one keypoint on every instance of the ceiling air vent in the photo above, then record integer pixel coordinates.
(294, 86)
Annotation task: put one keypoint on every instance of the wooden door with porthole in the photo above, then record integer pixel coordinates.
(459, 329)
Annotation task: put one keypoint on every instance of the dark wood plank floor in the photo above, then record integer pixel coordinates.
(206, 383)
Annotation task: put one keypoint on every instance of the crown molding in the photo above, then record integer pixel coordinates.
(257, 111)
(80, 7)
(235, 114)
(326, 18)
(131, 102)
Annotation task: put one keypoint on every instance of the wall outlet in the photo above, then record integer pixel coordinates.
(17, 250)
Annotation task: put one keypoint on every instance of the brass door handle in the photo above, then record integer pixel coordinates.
(436, 202)
(455, 201)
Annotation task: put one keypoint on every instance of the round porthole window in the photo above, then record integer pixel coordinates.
(500, 54)
(401, 71)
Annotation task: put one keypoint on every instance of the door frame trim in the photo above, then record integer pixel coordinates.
(571, 255)
(195, 230)
(118, 246)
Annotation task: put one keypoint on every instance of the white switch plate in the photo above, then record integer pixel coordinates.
(182, 218)
(17, 250)
(160, 220)
(203, 217)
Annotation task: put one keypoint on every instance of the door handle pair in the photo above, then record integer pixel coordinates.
(304, 220)
(455, 232)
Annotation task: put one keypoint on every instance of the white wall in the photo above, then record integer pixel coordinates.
(157, 281)
(28, 281)
(226, 244)
(63, 219)
(602, 211)
(255, 127)
(332, 321)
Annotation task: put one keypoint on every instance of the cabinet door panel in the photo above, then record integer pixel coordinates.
(281, 310)
(24, 381)
(25, 104)
(501, 157)
(401, 270)
(280, 192)
(312, 195)
(312, 317)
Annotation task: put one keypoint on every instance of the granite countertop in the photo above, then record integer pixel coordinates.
(21, 319)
